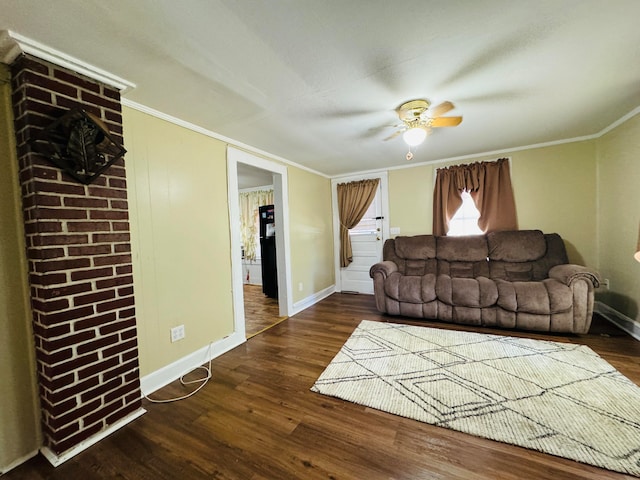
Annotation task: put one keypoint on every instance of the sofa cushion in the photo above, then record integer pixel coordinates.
(516, 246)
(411, 288)
(477, 292)
(462, 249)
(543, 298)
(419, 247)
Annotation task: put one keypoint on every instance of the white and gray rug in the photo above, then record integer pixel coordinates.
(557, 398)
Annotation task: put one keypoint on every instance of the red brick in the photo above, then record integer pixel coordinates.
(45, 173)
(51, 332)
(89, 250)
(120, 414)
(101, 389)
(45, 253)
(93, 297)
(117, 326)
(93, 273)
(71, 365)
(124, 390)
(107, 192)
(98, 100)
(73, 390)
(68, 315)
(86, 202)
(117, 183)
(124, 269)
(97, 368)
(64, 188)
(111, 260)
(119, 204)
(128, 313)
(61, 239)
(68, 341)
(119, 348)
(47, 200)
(64, 291)
(54, 357)
(110, 237)
(76, 80)
(122, 248)
(127, 334)
(57, 422)
(124, 291)
(46, 266)
(120, 226)
(108, 214)
(48, 279)
(88, 227)
(60, 213)
(95, 321)
(65, 443)
(115, 304)
(51, 305)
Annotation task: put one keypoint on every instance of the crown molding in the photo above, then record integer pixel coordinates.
(12, 45)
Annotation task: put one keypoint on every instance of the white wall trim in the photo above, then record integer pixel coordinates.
(384, 190)
(620, 320)
(56, 460)
(18, 462)
(313, 299)
(12, 44)
(281, 202)
(169, 373)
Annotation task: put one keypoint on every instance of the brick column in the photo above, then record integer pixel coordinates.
(80, 270)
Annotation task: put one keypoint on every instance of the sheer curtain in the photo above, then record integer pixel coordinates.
(488, 183)
(354, 199)
(249, 223)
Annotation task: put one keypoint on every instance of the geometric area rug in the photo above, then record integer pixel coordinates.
(557, 398)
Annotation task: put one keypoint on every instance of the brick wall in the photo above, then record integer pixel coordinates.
(80, 271)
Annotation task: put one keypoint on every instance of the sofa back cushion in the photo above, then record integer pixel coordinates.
(525, 255)
(462, 257)
(413, 255)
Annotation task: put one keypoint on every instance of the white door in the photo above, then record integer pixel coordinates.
(366, 244)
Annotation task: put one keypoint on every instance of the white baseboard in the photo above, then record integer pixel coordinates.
(18, 462)
(312, 299)
(629, 325)
(164, 376)
(56, 459)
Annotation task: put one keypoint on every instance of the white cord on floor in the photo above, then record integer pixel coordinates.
(204, 381)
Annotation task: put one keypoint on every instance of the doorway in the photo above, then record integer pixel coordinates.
(367, 238)
(253, 312)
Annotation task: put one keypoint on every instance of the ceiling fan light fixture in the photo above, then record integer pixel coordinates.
(414, 136)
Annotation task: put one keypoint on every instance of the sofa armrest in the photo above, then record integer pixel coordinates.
(569, 273)
(386, 268)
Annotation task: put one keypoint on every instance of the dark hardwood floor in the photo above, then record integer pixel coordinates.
(258, 420)
(260, 311)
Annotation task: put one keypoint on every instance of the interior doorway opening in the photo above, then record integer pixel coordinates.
(255, 311)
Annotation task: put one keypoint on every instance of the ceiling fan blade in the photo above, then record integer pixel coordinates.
(446, 121)
(393, 135)
(441, 109)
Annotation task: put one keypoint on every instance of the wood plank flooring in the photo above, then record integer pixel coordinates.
(260, 311)
(257, 419)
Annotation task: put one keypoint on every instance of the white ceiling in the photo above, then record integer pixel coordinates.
(317, 82)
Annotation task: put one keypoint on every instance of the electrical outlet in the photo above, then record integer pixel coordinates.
(177, 333)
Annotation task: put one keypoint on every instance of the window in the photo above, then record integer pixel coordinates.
(465, 220)
(368, 224)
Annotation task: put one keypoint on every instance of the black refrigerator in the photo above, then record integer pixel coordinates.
(268, 251)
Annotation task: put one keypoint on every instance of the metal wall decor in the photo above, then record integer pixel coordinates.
(80, 144)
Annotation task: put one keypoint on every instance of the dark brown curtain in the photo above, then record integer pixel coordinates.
(489, 184)
(354, 199)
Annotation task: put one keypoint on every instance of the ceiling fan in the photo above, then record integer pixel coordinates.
(418, 120)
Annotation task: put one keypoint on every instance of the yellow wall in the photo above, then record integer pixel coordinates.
(19, 408)
(619, 214)
(554, 189)
(177, 187)
(311, 233)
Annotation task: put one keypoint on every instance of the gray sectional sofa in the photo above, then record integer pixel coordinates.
(511, 279)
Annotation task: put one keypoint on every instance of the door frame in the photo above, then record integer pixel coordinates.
(384, 191)
(280, 197)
